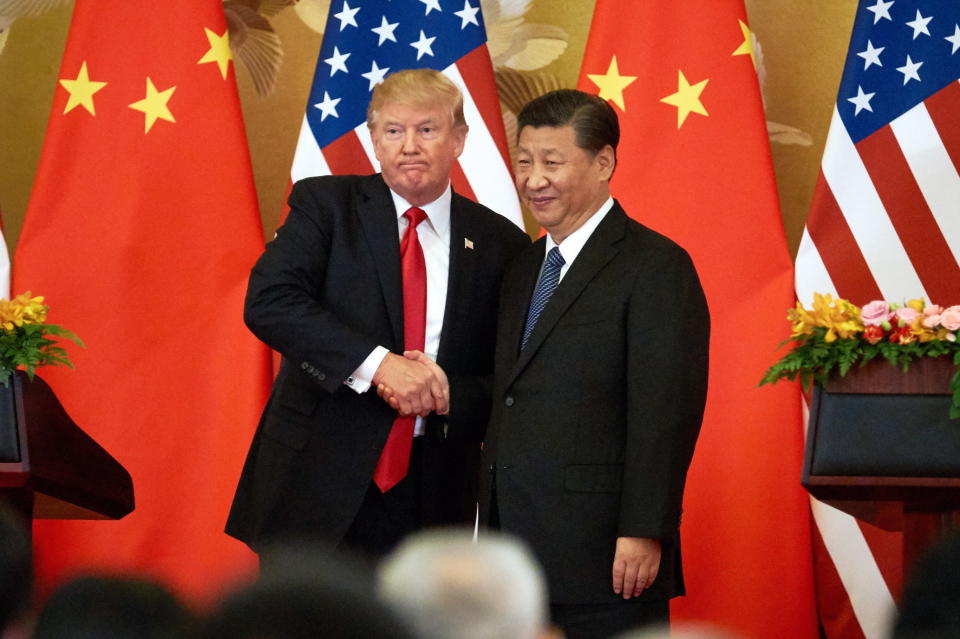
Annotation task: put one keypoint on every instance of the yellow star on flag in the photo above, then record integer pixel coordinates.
(687, 98)
(612, 84)
(219, 51)
(81, 90)
(746, 47)
(154, 106)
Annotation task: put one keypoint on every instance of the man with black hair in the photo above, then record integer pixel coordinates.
(600, 381)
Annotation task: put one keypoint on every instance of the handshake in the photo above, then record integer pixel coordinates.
(413, 384)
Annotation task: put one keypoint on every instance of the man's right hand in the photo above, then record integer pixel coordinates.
(407, 385)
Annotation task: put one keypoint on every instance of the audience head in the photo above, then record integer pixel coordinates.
(449, 587)
(16, 568)
(678, 631)
(930, 608)
(112, 607)
(305, 592)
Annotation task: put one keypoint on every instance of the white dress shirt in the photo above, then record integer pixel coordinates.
(434, 236)
(571, 246)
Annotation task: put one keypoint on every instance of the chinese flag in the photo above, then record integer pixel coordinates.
(141, 230)
(694, 163)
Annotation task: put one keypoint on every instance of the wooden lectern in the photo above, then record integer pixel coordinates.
(50, 468)
(881, 446)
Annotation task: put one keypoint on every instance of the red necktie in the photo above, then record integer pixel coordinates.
(395, 458)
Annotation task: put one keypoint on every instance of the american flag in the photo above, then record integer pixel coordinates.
(364, 41)
(884, 224)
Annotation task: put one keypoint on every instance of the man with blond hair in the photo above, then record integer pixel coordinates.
(388, 280)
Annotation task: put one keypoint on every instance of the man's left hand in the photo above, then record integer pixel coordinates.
(635, 565)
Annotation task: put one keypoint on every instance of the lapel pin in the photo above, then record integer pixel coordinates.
(467, 243)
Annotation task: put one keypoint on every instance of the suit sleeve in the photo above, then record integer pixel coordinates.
(283, 307)
(668, 348)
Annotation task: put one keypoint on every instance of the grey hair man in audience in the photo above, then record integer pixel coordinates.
(449, 587)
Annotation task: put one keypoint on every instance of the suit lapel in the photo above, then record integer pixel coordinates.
(516, 302)
(459, 275)
(596, 253)
(379, 220)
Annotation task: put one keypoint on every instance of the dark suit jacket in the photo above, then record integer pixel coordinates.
(594, 422)
(326, 291)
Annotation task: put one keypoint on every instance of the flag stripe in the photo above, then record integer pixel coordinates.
(817, 279)
(944, 108)
(486, 176)
(460, 182)
(366, 141)
(346, 156)
(476, 64)
(837, 246)
(307, 160)
(833, 605)
(906, 207)
(937, 179)
(869, 596)
(887, 551)
(845, 173)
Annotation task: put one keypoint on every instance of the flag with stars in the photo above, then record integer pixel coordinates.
(364, 41)
(694, 163)
(884, 224)
(141, 230)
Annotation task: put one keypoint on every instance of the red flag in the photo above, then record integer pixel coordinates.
(694, 163)
(141, 230)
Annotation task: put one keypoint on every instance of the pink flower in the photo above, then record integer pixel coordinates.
(907, 314)
(950, 318)
(931, 315)
(875, 313)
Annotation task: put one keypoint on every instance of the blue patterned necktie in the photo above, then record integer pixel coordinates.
(546, 285)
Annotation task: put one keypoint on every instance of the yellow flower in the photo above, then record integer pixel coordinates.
(801, 321)
(34, 310)
(21, 310)
(840, 318)
(917, 305)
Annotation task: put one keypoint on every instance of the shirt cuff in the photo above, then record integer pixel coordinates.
(362, 378)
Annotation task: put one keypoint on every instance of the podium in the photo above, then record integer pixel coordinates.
(50, 468)
(881, 447)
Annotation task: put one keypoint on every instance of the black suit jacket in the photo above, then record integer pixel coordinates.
(326, 291)
(594, 422)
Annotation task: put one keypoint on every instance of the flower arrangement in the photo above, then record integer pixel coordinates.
(26, 340)
(836, 334)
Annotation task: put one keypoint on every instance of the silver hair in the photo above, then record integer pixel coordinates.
(450, 587)
(679, 631)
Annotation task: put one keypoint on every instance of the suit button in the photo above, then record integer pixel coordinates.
(505, 467)
(491, 468)
(305, 366)
(321, 376)
(508, 401)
